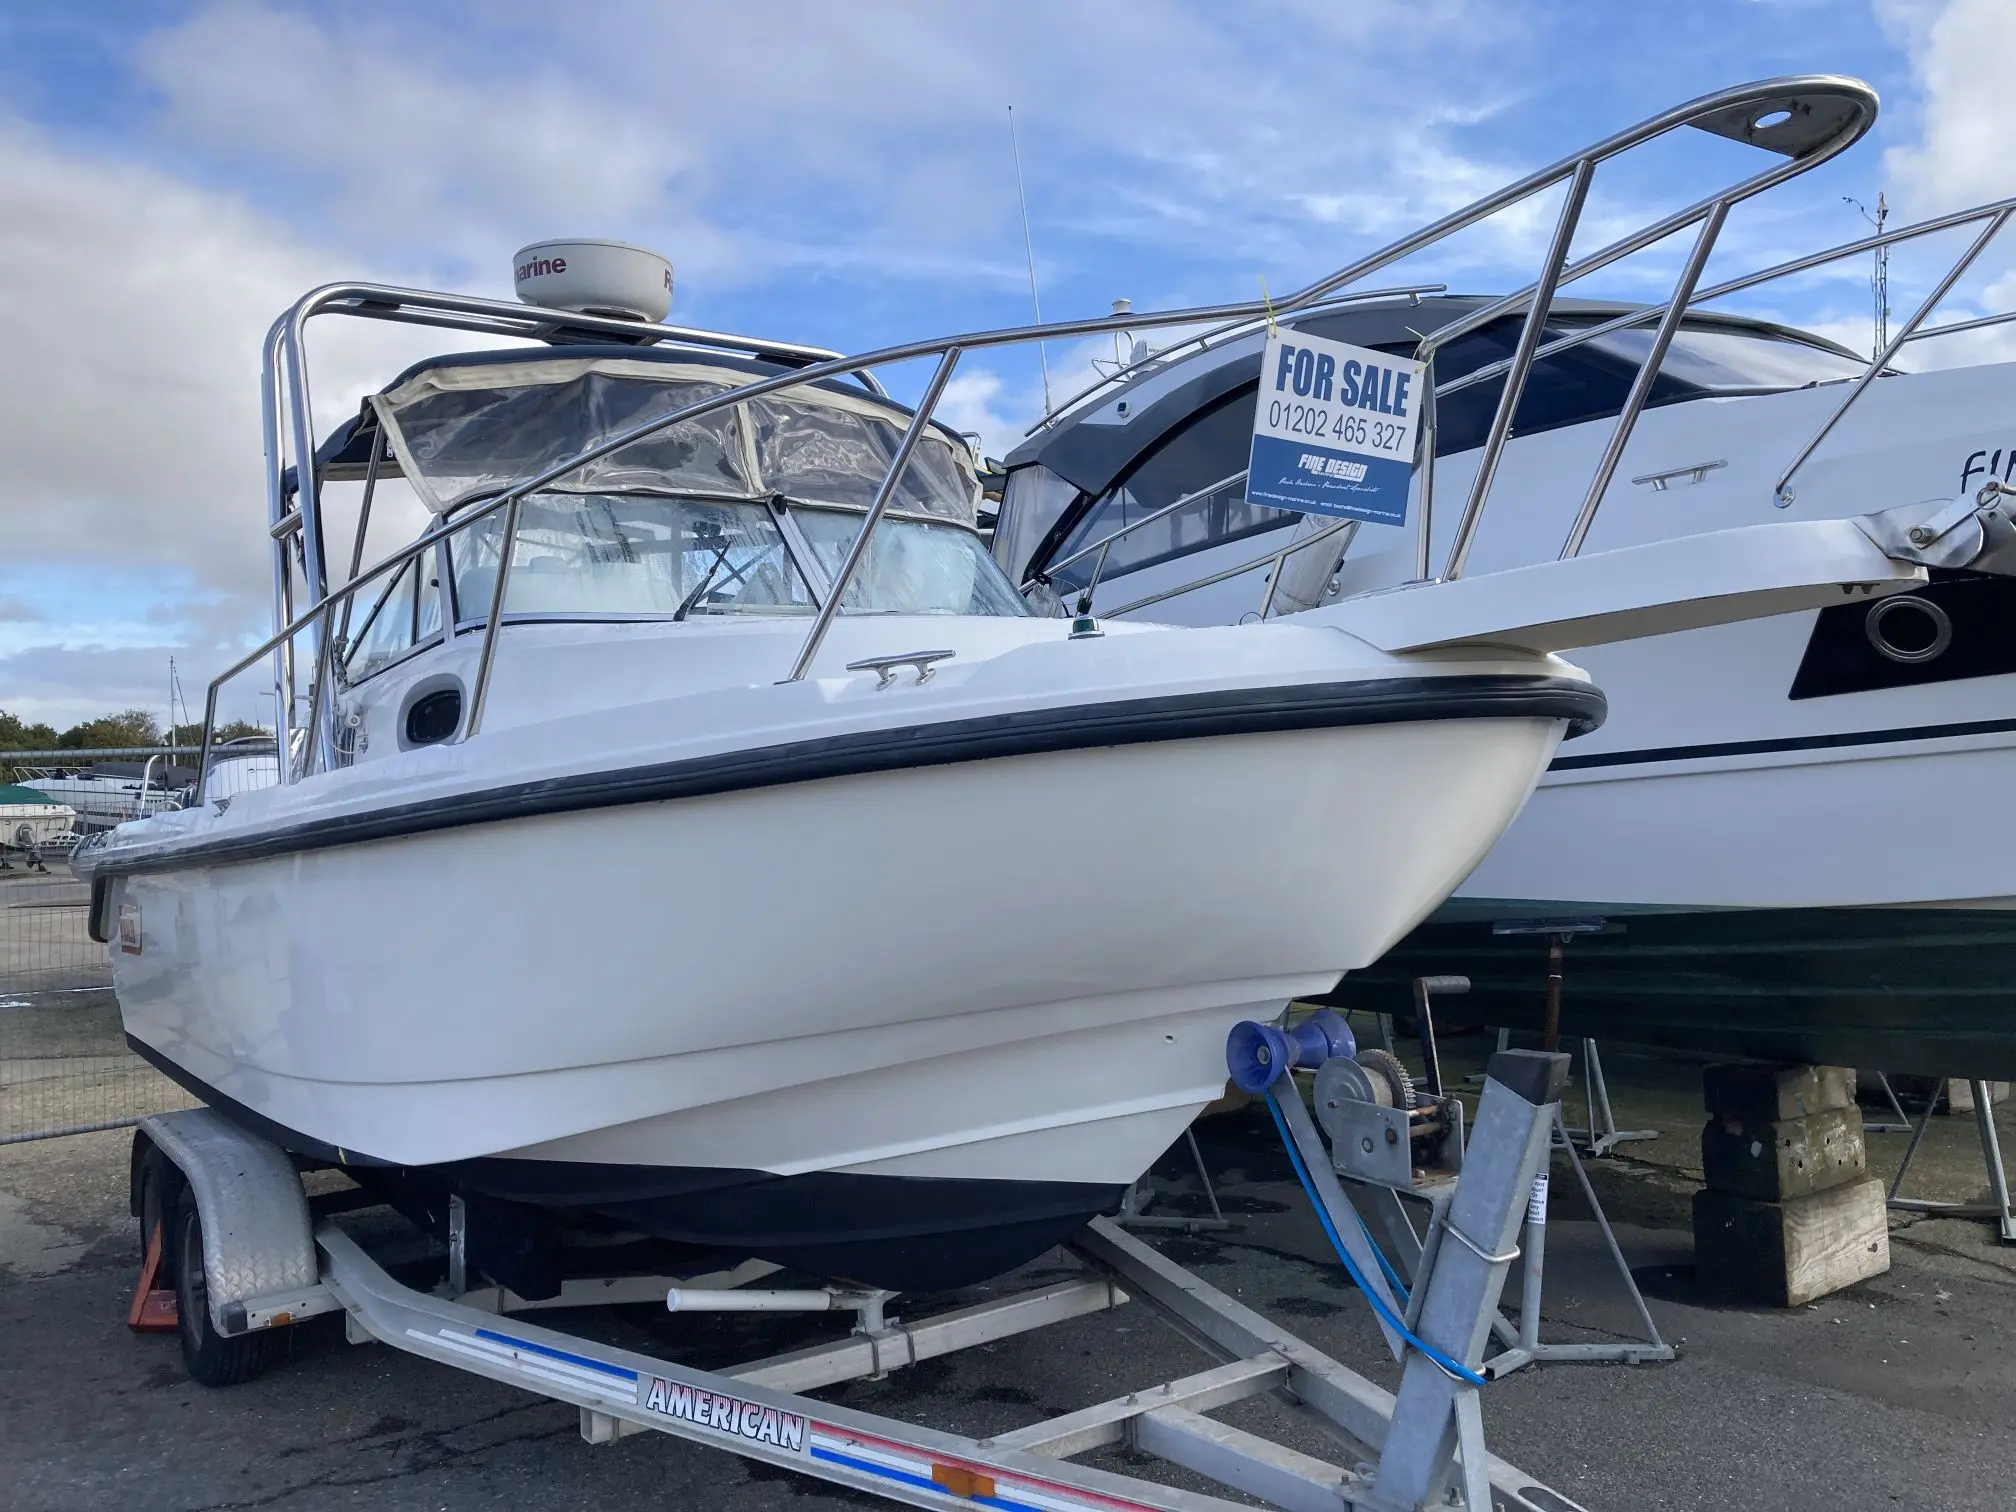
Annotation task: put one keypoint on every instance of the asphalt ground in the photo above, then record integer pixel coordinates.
(1900, 1392)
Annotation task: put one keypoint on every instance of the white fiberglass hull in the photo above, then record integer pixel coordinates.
(889, 992)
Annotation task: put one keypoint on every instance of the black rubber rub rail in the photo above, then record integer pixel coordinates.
(1186, 716)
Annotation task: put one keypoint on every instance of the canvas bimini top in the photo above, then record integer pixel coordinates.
(466, 426)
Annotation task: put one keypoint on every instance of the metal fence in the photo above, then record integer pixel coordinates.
(65, 1067)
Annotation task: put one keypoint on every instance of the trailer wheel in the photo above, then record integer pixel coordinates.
(159, 1183)
(211, 1358)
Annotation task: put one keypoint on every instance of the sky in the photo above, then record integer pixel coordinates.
(173, 175)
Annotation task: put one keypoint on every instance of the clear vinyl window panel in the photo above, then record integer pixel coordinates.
(467, 442)
(630, 554)
(826, 454)
(911, 567)
(389, 630)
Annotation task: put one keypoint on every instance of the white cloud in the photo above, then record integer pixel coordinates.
(1957, 157)
(133, 315)
(752, 138)
(1961, 153)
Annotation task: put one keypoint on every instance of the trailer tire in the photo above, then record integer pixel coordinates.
(211, 1358)
(158, 1184)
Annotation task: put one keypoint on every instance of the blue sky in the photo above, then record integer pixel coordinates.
(172, 174)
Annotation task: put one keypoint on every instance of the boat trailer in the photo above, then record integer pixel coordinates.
(254, 1260)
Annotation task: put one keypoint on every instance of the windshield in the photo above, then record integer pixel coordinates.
(640, 555)
(912, 567)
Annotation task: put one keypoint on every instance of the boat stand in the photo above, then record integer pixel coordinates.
(1523, 1345)
(268, 1264)
(1526, 1347)
(1602, 1134)
(1999, 1208)
(1140, 1197)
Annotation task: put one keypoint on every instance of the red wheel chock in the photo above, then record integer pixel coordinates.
(153, 1309)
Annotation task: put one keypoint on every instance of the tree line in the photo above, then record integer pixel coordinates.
(134, 727)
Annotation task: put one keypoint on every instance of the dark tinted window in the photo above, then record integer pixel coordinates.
(1591, 382)
(1212, 444)
(1566, 389)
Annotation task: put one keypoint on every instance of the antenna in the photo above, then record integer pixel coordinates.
(1029, 247)
(174, 697)
(1879, 277)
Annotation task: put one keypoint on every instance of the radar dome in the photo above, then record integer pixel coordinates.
(594, 278)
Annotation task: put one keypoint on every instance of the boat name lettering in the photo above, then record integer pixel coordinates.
(1987, 466)
(725, 1414)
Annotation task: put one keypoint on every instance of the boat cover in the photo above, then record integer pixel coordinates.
(461, 432)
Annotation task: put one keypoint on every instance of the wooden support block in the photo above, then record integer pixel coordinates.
(1787, 1253)
(1761, 1094)
(1783, 1157)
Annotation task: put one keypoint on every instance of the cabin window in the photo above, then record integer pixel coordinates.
(1033, 500)
(1709, 359)
(1212, 444)
(390, 630)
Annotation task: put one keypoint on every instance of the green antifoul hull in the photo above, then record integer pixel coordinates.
(1926, 991)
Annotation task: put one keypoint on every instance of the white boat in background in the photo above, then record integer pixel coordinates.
(910, 925)
(1746, 841)
(32, 821)
(105, 793)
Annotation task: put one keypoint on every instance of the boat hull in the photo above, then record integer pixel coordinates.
(664, 1012)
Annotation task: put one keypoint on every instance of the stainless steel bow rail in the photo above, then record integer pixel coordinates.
(268, 1262)
(1800, 122)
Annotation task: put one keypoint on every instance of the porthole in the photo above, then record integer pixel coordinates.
(434, 718)
(1908, 629)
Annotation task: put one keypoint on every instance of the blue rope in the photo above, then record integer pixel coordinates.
(1392, 1276)
(1450, 1366)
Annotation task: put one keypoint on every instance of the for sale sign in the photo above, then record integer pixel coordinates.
(1333, 432)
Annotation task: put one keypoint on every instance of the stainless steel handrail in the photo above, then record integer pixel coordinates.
(906, 449)
(1782, 492)
(1276, 557)
(1671, 314)
(1805, 120)
(1148, 519)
